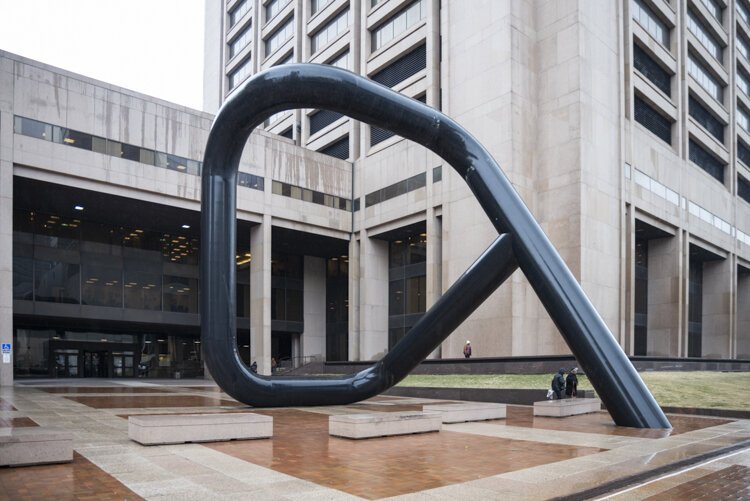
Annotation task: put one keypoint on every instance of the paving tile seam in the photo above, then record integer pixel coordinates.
(572, 438)
(624, 482)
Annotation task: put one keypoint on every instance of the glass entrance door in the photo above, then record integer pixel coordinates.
(95, 364)
(66, 363)
(122, 363)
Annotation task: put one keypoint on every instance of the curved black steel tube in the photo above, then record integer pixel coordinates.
(318, 86)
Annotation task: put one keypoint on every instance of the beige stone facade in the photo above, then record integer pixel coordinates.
(623, 125)
(574, 100)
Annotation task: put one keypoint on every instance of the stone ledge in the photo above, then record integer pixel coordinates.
(34, 445)
(567, 407)
(468, 411)
(179, 429)
(385, 424)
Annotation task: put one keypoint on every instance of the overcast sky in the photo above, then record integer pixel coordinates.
(150, 46)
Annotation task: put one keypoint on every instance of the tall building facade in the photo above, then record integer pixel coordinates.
(623, 125)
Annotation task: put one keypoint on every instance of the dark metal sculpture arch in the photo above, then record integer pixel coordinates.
(521, 243)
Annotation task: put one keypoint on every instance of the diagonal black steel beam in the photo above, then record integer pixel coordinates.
(293, 86)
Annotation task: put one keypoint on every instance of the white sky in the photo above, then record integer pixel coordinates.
(150, 46)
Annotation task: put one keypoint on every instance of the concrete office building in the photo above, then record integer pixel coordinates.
(622, 125)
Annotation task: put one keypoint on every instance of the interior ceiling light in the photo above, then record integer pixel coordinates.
(186, 226)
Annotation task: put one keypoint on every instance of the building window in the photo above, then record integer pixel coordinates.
(274, 7)
(743, 82)
(697, 28)
(437, 174)
(287, 133)
(742, 46)
(650, 22)
(713, 8)
(276, 117)
(77, 139)
(238, 12)
(278, 37)
(286, 287)
(331, 30)
(653, 120)
(403, 68)
(316, 5)
(307, 195)
(640, 334)
(743, 11)
(695, 308)
(338, 149)
(322, 119)
(743, 120)
(407, 274)
(651, 70)
(241, 41)
(343, 61)
(743, 152)
(743, 189)
(703, 159)
(337, 308)
(378, 135)
(396, 189)
(704, 78)
(399, 23)
(250, 181)
(706, 119)
(239, 74)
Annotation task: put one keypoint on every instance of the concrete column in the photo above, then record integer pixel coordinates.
(717, 276)
(6, 245)
(260, 295)
(663, 297)
(434, 285)
(354, 264)
(743, 316)
(373, 290)
(314, 300)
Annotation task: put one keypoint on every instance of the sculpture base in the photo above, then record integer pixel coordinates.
(469, 411)
(359, 426)
(34, 445)
(179, 429)
(567, 407)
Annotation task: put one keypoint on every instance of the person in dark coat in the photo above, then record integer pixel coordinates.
(571, 383)
(558, 384)
(467, 349)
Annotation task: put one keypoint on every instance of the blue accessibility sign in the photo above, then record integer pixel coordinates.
(6, 348)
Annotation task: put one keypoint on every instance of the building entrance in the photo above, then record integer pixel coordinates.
(95, 364)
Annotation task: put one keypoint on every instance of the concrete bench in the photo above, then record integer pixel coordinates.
(566, 407)
(383, 424)
(182, 428)
(34, 445)
(468, 411)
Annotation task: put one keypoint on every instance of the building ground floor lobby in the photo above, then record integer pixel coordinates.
(519, 457)
(106, 285)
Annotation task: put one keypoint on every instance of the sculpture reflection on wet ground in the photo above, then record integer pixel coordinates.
(521, 243)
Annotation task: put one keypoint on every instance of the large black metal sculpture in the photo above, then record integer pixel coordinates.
(521, 244)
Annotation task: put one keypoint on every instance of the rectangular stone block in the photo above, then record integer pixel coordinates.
(34, 445)
(567, 407)
(178, 429)
(468, 411)
(383, 424)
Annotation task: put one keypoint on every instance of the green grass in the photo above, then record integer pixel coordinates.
(718, 390)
